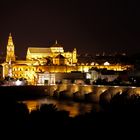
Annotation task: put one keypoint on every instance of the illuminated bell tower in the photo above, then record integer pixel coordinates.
(10, 56)
(74, 56)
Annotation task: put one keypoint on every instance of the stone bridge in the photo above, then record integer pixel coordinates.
(91, 93)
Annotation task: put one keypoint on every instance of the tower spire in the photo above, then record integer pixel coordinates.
(56, 42)
(10, 56)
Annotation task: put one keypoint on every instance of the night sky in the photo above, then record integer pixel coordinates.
(91, 26)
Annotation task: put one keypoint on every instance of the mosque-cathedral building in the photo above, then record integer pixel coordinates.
(42, 63)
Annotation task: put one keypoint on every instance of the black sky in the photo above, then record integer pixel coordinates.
(91, 26)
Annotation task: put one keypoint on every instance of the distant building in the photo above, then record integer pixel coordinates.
(94, 74)
(41, 62)
(55, 54)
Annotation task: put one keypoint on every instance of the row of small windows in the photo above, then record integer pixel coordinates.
(24, 69)
(28, 69)
(21, 75)
(17, 75)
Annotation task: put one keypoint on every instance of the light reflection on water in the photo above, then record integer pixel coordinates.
(74, 108)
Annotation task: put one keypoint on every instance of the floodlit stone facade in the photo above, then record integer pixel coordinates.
(51, 60)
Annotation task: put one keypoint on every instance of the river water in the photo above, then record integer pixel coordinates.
(74, 108)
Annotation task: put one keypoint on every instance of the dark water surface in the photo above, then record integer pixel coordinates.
(74, 108)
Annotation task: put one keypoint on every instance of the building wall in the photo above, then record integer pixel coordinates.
(30, 71)
(45, 78)
(70, 57)
(69, 76)
(1, 71)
